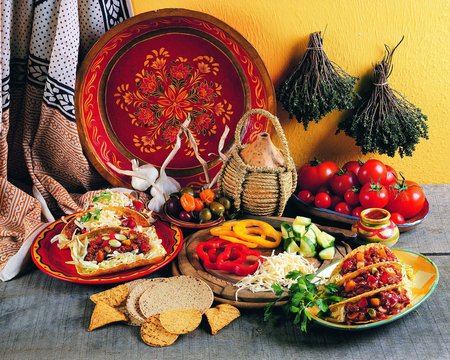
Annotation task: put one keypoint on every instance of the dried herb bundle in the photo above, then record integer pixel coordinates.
(317, 86)
(383, 122)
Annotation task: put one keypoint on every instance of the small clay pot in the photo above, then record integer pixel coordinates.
(376, 226)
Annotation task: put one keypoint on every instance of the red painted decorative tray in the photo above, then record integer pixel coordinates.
(52, 260)
(140, 81)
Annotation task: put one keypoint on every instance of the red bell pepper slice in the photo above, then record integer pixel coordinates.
(226, 262)
(208, 251)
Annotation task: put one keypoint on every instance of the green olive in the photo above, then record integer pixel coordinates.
(225, 202)
(205, 215)
(217, 209)
(188, 190)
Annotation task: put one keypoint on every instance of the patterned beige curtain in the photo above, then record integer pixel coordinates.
(43, 171)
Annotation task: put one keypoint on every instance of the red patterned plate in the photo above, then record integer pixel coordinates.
(51, 260)
(140, 81)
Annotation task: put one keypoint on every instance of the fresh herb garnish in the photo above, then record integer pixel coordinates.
(303, 294)
(103, 195)
(88, 216)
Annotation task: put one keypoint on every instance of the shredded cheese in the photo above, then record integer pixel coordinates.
(274, 269)
(117, 199)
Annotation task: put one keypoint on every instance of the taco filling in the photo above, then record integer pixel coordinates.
(372, 255)
(371, 279)
(378, 306)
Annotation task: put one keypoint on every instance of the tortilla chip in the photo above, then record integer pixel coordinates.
(117, 296)
(220, 316)
(104, 314)
(154, 334)
(180, 321)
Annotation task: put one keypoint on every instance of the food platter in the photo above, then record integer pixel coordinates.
(426, 277)
(222, 283)
(334, 216)
(143, 77)
(51, 260)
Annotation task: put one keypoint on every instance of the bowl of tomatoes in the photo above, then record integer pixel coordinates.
(193, 209)
(341, 194)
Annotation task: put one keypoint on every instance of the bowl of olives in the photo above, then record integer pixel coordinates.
(201, 209)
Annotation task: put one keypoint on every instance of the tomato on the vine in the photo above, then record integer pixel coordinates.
(314, 174)
(372, 171)
(322, 200)
(343, 180)
(391, 176)
(351, 196)
(406, 198)
(357, 211)
(374, 195)
(343, 208)
(306, 196)
(353, 165)
(397, 218)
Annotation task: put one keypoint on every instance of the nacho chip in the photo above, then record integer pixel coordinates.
(220, 316)
(104, 314)
(117, 296)
(154, 334)
(180, 321)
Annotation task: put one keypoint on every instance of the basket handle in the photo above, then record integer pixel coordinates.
(275, 122)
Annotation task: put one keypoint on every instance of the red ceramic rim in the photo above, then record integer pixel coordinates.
(52, 260)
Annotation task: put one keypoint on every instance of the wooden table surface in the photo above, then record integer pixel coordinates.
(45, 318)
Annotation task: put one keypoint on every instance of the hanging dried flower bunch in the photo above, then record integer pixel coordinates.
(384, 122)
(317, 86)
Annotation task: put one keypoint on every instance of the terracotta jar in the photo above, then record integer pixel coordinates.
(376, 226)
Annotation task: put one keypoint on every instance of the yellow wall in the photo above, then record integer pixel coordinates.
(355, 36)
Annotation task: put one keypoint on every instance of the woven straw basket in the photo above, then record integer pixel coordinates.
(258, 190)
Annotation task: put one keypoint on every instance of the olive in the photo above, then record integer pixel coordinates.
(188, 190)
(185, 216)
(173, 206)
(205, 215)
(217, 209)
(225, 202)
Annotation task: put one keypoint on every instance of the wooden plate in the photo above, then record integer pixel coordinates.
(334, 216)
(143, 77)
(222, 283)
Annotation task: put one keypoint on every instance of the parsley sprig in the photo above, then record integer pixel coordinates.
(103, 195)
(88, 216)
(303, 294)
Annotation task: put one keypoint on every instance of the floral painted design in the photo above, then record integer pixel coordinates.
(165, 92)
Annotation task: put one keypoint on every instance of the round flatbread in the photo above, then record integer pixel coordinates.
(154, 334)
(178, 292)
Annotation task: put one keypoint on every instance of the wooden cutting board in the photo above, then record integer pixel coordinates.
(222, 283)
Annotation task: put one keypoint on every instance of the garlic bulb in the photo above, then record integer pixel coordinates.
(147, 170)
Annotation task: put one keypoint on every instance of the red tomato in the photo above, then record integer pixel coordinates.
(357, 211)
(405, 198)
(322, 200)
(353, 165)
(373, 171)
(373, 196)
(335, 199)
(343, 208)
(343, 180)
(351, 196)
(324, 189)
(397, 218)
(306, 196)
(314, 174)
(391, 176)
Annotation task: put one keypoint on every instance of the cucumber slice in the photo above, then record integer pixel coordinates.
(291, 247)
(314, 228)
(298, 231)
(286, 230)
(311, 235)
(328, 253)
(300, 220)
(307, 248)
(325, 240)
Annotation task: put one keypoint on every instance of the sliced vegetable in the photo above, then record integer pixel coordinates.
(307, 247)
(328, 253)
(325, 240)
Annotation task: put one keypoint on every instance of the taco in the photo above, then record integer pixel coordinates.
(110, 250)
(373, 306)
(93, 219)
(370, 278)
(361, 257)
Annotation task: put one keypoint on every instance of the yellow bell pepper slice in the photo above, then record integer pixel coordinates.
(242, 231)
(236, 240)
